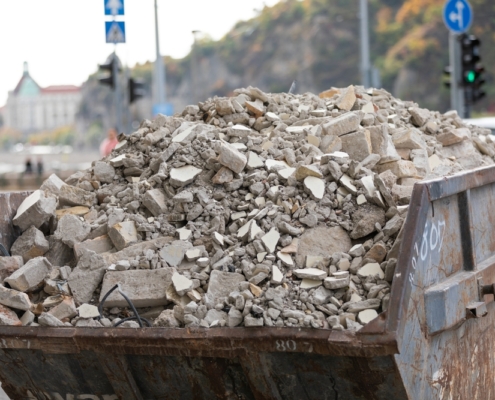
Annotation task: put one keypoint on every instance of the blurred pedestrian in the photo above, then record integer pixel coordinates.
(109, 143)
(29, 167)
(39, 167)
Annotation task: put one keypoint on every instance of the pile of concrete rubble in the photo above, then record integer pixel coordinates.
(256, 210)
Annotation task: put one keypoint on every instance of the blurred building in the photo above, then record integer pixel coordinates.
(31, 108)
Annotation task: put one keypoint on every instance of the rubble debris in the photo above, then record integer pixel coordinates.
(258, 210)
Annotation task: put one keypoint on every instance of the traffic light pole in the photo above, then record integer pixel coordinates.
(116, 93)
(457, 101)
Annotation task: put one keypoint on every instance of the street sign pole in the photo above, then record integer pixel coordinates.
(457, 15)
(116, 93)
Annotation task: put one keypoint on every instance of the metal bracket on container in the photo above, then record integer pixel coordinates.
(476, 309)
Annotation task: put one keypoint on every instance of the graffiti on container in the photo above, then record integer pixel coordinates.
(431, 241)
(291, 345)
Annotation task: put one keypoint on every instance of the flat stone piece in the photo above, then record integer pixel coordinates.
(36, 209)
(240, 131)
(8, 265)
(231, 158)
(286, 172)
(285, 258)
(450, 137)
(218, 238)
(368, 184)
(184, 234)
(46, 319)
(310, 283)
(365, 219)
(277, 276)
(334, 283)
(173, 255)
(184, 175)
(310, 273)
(304, 171)
(221, 284)
(270, 240)
(123, 234)
(103, 172)
(99, 245)
(322, 241)
(410, 139)
(187, 135)
(346, 180)
(316, 186)
(88, 311)
(66, 309)
(145, 288)
(27, 318)
(401, 168)
(276, 164)
(31, 275)
(345, 123)
(78, 211)
(371, 269)
(256, 107)
(361, 199)
(155, 201)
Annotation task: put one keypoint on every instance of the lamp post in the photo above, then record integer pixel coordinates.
(194, 69)
(160, 89)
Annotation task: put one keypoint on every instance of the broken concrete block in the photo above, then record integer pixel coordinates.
(315, 186)
(8, 317)
(345, 123)
(184, 175)
(78, 211)
(103, 172)
(270, 240)
(31, 275)
(256, 107)
(419, 116)
(100, 244)
(27, 318)
(66, 309)
(71, 230)
(181, 284)
(357, 144)
(74, 196)
(145, 288)
(310, 273)
(30, 244)
(453, 136)
(14, 299)
(88, 311)
(224, 175)
(304, 171)
(155, 201)
(8, 265)
(401, 168)
(46, 319)
(371, 269)
(123, 234)
(366, 316)
(52, 185)
(35, 210)
(231, 158)
(253, 161)
(221, 284)
(409, 139)
(173, 255)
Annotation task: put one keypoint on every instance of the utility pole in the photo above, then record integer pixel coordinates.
(194, 69)
(365, 44)
(160, 90)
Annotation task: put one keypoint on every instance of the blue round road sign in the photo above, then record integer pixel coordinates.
(457, 15)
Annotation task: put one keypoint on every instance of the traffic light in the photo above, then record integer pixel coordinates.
(136, 89)
(447, 72)
(472, 70)
(108, 77)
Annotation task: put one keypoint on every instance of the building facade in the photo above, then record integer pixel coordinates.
(31, 108)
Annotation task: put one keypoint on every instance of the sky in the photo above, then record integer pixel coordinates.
(63, 41)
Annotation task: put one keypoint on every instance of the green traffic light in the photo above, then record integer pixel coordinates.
(470, 76)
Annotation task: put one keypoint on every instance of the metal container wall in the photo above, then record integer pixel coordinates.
(434, 341)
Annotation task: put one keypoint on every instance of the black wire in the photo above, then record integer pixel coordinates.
(148, 322)
(4, 251)
(117, 286)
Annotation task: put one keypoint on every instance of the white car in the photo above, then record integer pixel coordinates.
(486, 122)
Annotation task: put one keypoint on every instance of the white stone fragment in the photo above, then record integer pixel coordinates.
(277, 276)
(184, 175)
(371, 269)
(240, 131)
(181, 284)
(36, 209)
(366, 316)
(88, 311)
(347, 182)
(184, 233)
(231, 158)
(193, 254)
(123, 234)
(253, 161)
(276, 164)
(261, 256)
(285, 258)
(203, 262)
(361, 199)
(218, 238)
(186, 135)
(368, 184)
(117, 161)
(310, 273)
(286, 172)
(316, 186)
(237, 215)
(310, 283)
(270, 240)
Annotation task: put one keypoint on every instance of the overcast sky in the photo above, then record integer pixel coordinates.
(64, 40)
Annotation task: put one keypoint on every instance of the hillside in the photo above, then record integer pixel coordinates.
(316, 43)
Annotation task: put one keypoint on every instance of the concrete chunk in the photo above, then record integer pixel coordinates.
(181, 284)
(123, 234)
(99, 245)
(31, 275)
(35, 210)
(220, 285)
(74, 196)
(71, 230)
(270, 240)
(357, 144)
(46, 319)
(52, 184)
(345, 123)
(66, 309)
(184, 175)
(231, 158)
(8, 265)
(8, 317)
(103, 172)
(30, 244)
(14, 299)
(145, 288)
(346, 99)
(315, 186)
(155, 201)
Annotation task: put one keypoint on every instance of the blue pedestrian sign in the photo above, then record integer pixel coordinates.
(114, 7)
(163, 108)
(115, 31)
(457, 15)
